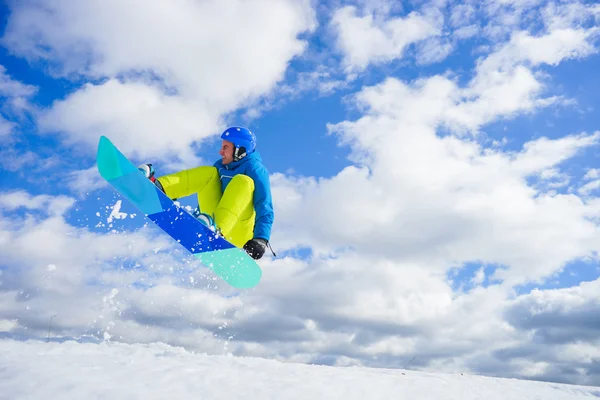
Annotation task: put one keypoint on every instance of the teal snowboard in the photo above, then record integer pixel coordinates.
(229, 262)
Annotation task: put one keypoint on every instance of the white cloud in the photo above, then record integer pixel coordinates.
(543, 153)
(479, 277)
(433, 50)
(507, 16)
(14, 96)
(565, 15)
(462, 15)
(20, 199)
(86, 180)
(373, 35)
(367, 39)
(589, 187)
(12, 88)
(322, 78)
(451, 199)
(501, 92)
(551, 49)
(562, 319)
(50, 263)
(6, 127)
(504, 85)
(39, 223)
(592, 173)
(140, 119)
(554, 178)
(550, 173)
(466, 32)
(172, 40)
(182, 65)
(6, 325)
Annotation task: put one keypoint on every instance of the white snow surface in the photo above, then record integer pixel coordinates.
(110, 370)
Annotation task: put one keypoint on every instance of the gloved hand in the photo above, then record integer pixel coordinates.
(148, 171)
(256, 247)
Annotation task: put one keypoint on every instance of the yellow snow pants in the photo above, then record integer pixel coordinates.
(233, 210)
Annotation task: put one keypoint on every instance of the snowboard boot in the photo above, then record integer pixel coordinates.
(205, 219)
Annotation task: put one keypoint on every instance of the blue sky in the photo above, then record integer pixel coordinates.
(434, 167)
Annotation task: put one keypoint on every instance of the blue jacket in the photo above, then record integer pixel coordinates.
(252, 166)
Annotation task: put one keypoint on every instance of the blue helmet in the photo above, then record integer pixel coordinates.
(243, 140)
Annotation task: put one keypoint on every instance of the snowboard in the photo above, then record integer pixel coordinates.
(229, 262)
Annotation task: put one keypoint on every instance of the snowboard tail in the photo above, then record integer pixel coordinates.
(229, 262)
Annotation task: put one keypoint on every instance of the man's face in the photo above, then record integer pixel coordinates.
(226, 151)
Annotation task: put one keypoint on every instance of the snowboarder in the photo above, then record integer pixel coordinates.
(234, 195)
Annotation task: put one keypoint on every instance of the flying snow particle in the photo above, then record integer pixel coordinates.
(116, 212)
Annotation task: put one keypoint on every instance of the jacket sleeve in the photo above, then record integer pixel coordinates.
(263, 203)
(187, 182)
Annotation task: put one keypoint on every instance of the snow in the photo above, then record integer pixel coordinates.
(110, 370)
(116, 212)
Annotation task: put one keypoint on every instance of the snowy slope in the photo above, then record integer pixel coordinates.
(71, 370)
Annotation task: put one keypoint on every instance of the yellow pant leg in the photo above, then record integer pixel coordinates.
(196, 180)
(235, 213)
(209, 191)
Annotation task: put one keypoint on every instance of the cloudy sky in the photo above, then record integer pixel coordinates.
(434, 168)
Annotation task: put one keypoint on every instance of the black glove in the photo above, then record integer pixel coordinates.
(256, 248)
